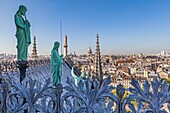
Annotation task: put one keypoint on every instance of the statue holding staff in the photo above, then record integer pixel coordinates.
(22, 33)
(56, 64)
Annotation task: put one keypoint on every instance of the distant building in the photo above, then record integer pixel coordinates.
(125, 69)
(126, 81)
(34, 51)
(164, 53)
(163, 71)
(142, 73)
(126, 61)
(152, 75)
(65, 46)
(121, 79)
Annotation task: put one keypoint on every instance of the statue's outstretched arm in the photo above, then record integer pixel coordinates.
(18, 23)
(72, 72)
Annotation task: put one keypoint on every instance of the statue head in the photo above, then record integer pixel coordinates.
(22, 9)
(56, 45)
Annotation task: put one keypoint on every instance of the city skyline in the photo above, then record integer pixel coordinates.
(124, 27)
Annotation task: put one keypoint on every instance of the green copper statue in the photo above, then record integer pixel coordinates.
(77, 79)
(56, 64)
(22, 33)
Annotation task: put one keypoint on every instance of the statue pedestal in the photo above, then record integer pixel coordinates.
(22, 65)
(58, 92)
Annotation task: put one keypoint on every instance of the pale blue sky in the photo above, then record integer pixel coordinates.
(124, 26)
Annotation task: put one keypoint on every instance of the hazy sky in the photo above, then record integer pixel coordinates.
(124, 26)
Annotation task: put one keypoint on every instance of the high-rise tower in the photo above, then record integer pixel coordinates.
(65, 46)
(97, 62)
(34, 51)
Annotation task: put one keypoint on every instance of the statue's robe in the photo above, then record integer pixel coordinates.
(56, 66)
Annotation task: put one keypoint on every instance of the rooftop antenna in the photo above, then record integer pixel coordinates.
(61, 35)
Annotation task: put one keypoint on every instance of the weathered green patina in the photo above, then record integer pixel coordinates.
(22, 33)
(77, 79)
(56, 64)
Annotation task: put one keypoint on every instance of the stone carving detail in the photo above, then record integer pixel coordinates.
(92, 98)
(27, 96)
(150, 98)
(32, 96)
